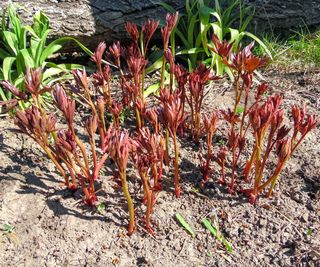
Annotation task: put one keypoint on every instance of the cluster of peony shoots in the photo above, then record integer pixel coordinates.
(176, 112)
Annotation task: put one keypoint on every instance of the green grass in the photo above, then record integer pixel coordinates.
(299, 50)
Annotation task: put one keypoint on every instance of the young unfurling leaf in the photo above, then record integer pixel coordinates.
(214, 231)
(184, 224)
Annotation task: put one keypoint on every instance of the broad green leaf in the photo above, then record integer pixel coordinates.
(40, 48)
(24, 60)
(23, 39)
(40, 24)
(6, 67)
(191, 29)
(34, 43)
(217, 30)
(184, 224)
(55, 69)
(212, 229)
(155, 66)
(31, 31)
(11, 41)
(19, 81)
(151, 89)
(56, 45)
(215, 14)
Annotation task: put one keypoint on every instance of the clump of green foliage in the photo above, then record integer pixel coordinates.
(25, 46)
(227, 20)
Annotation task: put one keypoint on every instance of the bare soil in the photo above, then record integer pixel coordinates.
(52, 227)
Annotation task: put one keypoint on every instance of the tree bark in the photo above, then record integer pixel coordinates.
(281, 16)
(92, 21)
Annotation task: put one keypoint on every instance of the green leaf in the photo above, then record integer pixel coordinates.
(101, 207)
(10, 41)
(155, 66)
(7, 67)
(55, 69)
(31, 31)
(40, 48)
(239, 110)
(56, 45)
(213, 230)
(185, 225)
(190, 51)
(191, 29)
(40, 24)
(24, 60)
(8, 228)
(3, 96)
(227, 244)
(151, 89)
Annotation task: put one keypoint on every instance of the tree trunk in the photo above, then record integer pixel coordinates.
(281, 16)
(92, 21)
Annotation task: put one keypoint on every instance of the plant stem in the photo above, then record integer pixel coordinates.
(148, 197)
(142, 83)
(129, 201)
(138, 118)
(167, 148)
(154, 170)
(176, 166)
(59, 167)
(162, 72)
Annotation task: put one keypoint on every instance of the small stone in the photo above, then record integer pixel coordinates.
(262, 222)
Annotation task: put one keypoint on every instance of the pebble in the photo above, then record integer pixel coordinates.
(262, 222)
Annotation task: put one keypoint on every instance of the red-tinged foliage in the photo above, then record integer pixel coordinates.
(261, 119)
(223, 48)
(148, 157)
(132, 30)
(170, 114)
(220, 158)
(116, 109)
(210, 127)
(148, 29)
(197, 81)
(119, 147)
(6, 85)
(171, 21)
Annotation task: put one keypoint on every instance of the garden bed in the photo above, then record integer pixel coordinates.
(54, 228)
